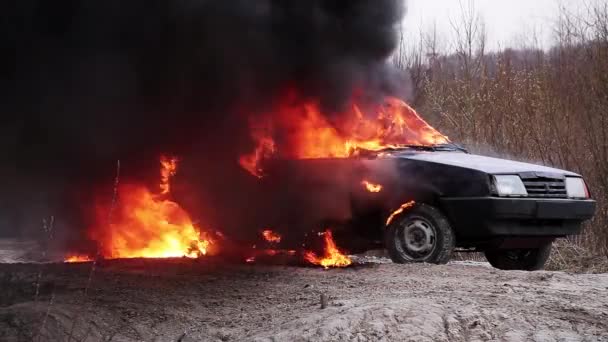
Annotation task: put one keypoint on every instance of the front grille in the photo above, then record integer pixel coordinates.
(542, 187)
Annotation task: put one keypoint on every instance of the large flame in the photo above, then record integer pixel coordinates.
(300, 130)
(149, 225)
(332, 257)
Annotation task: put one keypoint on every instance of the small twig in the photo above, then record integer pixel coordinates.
(46, 315)
(97, 253)
(48, 231)
(114, 196)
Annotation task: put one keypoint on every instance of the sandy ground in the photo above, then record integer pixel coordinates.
(217, 300)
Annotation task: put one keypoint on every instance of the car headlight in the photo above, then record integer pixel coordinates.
(576, 188)
(509, 185)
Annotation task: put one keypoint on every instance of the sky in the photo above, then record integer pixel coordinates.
(508, 23)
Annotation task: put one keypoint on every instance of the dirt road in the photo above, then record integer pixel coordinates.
(212, 300)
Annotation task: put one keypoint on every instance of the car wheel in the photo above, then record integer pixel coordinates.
(525, 259)
(422, 234)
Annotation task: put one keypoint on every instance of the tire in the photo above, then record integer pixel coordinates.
(421, 234)
(525, 259)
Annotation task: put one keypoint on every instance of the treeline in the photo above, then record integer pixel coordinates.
(548, 107)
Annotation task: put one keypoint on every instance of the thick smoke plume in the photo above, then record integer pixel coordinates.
(87, 83)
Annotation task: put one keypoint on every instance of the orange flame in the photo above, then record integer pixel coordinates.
(168, 169)
(306, 132)
(77, 258)
(252, 162)
(149, 225)
(404, 206)
(271, 236)
(333, 256)
(264, 149)
(371, 187)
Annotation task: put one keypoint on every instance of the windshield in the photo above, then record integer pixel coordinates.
(437, 147)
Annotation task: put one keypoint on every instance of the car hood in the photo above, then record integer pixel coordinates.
(482, 163)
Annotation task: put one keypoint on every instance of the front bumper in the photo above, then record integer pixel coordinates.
(486, 217)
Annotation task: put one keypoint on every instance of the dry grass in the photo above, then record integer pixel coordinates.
(572, 257)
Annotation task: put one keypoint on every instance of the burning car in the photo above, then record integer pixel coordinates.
(368, 179)
(424, 198)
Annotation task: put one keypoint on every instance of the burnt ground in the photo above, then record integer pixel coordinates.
(216, 300)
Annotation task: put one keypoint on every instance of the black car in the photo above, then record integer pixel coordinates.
(422, 202)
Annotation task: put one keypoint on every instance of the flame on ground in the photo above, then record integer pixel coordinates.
(271, 236)
(403, 207)
(148, 225)
(306, 132)
(78, 258)
(332, 257)
(371, 187)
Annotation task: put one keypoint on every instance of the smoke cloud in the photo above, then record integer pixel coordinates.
(87, 83)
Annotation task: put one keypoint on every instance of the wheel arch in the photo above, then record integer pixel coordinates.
(444, 242)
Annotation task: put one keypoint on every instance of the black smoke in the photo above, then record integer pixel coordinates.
(86, 83)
